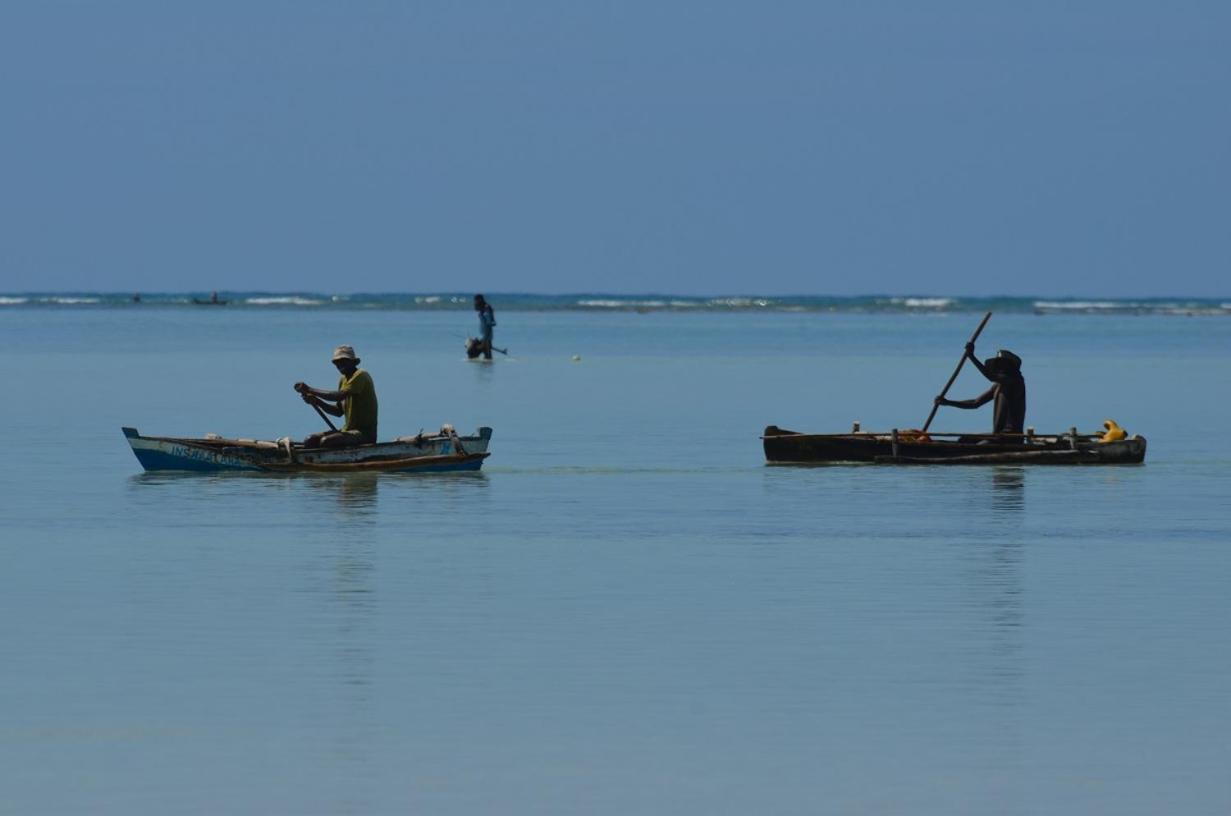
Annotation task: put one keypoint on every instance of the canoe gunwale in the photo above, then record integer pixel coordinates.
(1007, 438)
(792, 448)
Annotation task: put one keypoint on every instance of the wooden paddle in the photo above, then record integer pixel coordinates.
(318, 410)
(315, 407)
(957, 370)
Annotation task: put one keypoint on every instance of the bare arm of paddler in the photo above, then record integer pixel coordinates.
(970, 355)
(328, 401)
(981, 400)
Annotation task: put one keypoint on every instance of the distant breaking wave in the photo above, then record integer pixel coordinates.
(283, 301)
(622, 304)
(71, 301)
(1166, 307)
(1082, 305)
(923, 304)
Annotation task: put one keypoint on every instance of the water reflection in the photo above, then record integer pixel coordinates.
(182, 477)
(997, 580)
(484, 370)
(996, 587)
(351, 604)
(356, 494)
(436, 487)
(1008, 489)
(203, 494)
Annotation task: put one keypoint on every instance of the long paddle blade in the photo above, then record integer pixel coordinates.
(957, 370)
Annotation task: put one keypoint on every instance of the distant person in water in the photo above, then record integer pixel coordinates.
(355, 399)
(213, 297)
(1009, 391)
(487, 322)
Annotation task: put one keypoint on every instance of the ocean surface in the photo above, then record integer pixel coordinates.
(461, 301)
(627, 611)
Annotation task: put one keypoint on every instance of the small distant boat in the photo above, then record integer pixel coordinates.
(441, 452)
(783, 447)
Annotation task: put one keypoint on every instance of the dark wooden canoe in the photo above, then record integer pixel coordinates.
(783, 447)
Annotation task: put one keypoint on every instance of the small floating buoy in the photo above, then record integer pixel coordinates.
(576, 358)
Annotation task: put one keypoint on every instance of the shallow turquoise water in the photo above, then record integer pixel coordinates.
(626, 611)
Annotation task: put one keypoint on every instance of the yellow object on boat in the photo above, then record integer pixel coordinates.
(1114, 432)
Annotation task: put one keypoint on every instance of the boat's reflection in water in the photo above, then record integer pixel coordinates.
(358, 493)
(354, 493)
(1008, 489)
(996, 586)
(349, 606)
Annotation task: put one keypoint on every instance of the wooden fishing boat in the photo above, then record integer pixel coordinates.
(918, 447)
(783, 447)
(441, 452)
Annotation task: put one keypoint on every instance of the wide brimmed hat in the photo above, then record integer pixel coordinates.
(1011, 359)
(344, 353)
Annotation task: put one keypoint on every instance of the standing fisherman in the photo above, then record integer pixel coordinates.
(1009, 391)
(487, 321)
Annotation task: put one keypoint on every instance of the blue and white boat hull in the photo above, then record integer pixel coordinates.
(438, 453)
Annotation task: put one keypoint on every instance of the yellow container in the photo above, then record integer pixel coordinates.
(1114, 432)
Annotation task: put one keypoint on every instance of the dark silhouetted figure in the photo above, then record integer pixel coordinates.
(1009, 391)
(487, 322)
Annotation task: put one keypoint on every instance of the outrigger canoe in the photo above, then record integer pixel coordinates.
(441, 452)
(783, 447)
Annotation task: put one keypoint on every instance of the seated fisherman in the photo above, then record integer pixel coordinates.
(1009, 391)
(355, 399)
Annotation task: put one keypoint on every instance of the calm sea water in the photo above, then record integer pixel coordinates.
(627, 611)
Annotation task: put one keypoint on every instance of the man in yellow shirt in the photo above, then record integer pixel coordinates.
(354, 399)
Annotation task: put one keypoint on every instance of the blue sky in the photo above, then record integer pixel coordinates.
(1052, 148)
